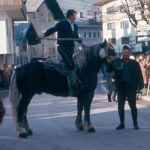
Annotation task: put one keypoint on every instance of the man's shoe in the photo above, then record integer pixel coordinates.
(136, 127)
(76, 88)
(115, 100)
(120, 127)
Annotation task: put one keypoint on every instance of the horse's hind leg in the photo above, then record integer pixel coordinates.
(78, 122)
(87, 106)
(21, 116)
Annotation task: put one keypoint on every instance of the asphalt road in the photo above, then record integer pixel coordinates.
(52, 119)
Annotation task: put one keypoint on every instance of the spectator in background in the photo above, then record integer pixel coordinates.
(132, 57)
(6, 78)
(13, 67)
(0, 80)
(148, 66)
(143, 65)
(137, 58)
(144, 70)
(4, 66)
(110, 85)
(1, 77)
(143, 48)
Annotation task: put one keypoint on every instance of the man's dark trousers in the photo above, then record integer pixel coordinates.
(127, 91)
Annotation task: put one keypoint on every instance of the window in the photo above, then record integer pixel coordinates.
(137, 7)
(111, 26)
(124, 24)
(53, 50)
(138, 42)
(42, 14)
(43, 52)
(125, 40)
(94, 34)
(85, 34)
(34, 51)
(10, 29)
(112, 40)
(49, 17)
(34, 15)
(98, 34)
(122, 9)
(49, 51)
(25, 60)
(89, 34)
(81, 14)
(7, 27)
(110, 10)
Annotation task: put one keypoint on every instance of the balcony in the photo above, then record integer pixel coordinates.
(15, 8)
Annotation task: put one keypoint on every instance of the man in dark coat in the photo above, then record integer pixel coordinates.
(67, 29)
(127, 82)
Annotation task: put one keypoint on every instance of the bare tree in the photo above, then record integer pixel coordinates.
(142, 6)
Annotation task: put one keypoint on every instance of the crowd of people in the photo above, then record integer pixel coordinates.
(144, 62)
(5, 75)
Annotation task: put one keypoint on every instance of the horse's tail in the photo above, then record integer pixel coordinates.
(14, 95)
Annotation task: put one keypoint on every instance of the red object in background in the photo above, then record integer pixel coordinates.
(2, 111)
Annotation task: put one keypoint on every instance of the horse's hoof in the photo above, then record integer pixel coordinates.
(23, 136)
(29, 132)
(81, 129)
(92, 130)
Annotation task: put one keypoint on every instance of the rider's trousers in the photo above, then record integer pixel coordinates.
(67, 54)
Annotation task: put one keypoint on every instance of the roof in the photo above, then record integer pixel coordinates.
(33, 6)
(100, 2)
(27, 30)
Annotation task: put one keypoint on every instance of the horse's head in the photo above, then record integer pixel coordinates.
(107, 49)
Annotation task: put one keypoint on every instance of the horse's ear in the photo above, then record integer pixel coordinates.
(105, 42)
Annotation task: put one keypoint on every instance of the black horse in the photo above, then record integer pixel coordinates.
(33, 79)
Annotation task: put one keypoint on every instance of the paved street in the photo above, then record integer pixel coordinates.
(52, 119)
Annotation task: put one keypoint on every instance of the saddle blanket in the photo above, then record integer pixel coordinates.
(53, 66)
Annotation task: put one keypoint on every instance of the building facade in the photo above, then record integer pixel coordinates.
(116, 26)
(10, 11)
(44, 15)
(25, 37)
(89, 31)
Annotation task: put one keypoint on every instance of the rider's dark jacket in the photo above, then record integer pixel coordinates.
(64, 31)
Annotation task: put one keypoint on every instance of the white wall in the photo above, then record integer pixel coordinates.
(6, 42)
(118, 33)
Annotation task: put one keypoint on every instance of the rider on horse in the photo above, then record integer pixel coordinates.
(67, 29)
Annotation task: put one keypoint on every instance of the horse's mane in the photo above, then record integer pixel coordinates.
(86, 55)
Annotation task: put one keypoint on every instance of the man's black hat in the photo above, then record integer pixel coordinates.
(125, 47)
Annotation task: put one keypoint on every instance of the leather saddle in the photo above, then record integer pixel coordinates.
(60, 68)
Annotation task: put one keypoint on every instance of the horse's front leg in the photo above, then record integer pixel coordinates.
(26, 125)
(87, 106)
(78, 122)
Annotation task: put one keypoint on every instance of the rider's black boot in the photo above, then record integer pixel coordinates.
(76, 88)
